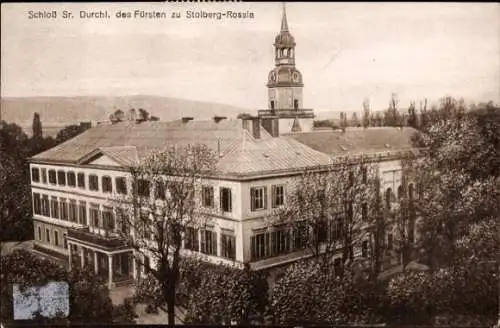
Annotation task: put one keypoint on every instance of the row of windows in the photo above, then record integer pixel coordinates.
(51, 237)
(205, 241)
(60, 208)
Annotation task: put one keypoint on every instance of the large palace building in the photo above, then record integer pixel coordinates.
(258, 157)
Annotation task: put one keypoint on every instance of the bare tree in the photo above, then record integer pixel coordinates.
(163, 210)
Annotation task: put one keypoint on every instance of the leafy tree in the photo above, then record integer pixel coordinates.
(160, 220)
(117, 116)
(37, 126)
(88, 295)
(391, 115)
(70, 132)
(412, 116)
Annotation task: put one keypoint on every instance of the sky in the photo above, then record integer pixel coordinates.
(347, 52)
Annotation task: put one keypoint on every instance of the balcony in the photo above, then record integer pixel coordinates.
(286, 113)
(107, 242)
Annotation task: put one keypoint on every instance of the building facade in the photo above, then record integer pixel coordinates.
(259, 159)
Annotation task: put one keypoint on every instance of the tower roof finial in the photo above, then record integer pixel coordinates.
(284, 23)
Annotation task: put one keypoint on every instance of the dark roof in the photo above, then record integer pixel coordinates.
(357, 140)
(240, 153)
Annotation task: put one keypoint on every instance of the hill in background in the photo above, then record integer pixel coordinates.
(57, 112)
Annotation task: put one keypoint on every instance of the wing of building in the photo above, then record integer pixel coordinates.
(72, 182)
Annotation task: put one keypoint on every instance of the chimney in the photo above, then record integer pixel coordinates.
(186, 119)
(217, 119)
(256, 127)
(272, 126)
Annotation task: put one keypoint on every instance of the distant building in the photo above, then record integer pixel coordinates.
(258, 158)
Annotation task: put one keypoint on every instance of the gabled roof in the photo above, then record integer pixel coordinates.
(357, 140)
(126, 155)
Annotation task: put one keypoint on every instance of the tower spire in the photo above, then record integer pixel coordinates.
(284, 23)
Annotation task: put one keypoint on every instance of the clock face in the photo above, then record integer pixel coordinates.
(295, 77)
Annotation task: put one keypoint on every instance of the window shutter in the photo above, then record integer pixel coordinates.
(252, 199)
(221, 198)
(265, 197)
(252, 247)
(214, 240)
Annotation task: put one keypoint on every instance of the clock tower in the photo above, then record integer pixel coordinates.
(285, 85)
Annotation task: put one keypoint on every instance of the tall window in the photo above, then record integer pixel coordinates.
(337, 266)
(107, 185)
(93, 182)
(54, 208)
(121, 185)
(280, 241)
(122, 221)
(147, 265)
(56, 237)
(37, 204)
(410, 191)
(82, 213)
(47, 235)
(61, 177)
(388, 198)
(258, 197)
(81, 180)
(44, 175)
(400, 192)
(160, 189)
(364, 249)
(208, 242)
(364, 211)
(364, 174)
(321, 228)
(45, 206)
(295, 104)
(143, 188)
(228, 246)
(108, 220)
(208, 196)
(71, 178)
(73, 211)
(35, 174)
(64, 209)
(39, 233)
(272, 104)
(260, 246)
(52, 177)
(336, 231)
(65, 241)
(225, 199)
(191, 240)
(300, 235)
(278, 195)
(94, 215)
(390, 241)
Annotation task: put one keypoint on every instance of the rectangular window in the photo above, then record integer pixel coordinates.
(364, 211)
(47, 235)
(54, 208)
(71, 179)
(82, 213)
(258, 198)
(107, 185)
(56, 237)
(94, 215)
(81, 180)
(61, 177)
(143, 188)
(39, 233)
(225, 199)
(44, 175)
(364, 249)
(191, 240)
(208, 242)
(160, 189)
(93, 182)
(45, 206)
(52, 177)
(228, 246)
(260, 246)
(121, 185)
(321, 230)
(73, 211)
(37, 204)
(390, 239)
(64, 209)
(35, 174)
(280, 241)
(108, 220)
(122, 221)
(337, 266)
(147, 265)
(300, 236)
(208, 196)
(278, 194)
(65, 241)
(336, 231)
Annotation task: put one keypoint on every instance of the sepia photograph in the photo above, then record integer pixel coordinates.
(250, 163)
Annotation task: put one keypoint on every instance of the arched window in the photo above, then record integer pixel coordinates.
(410, 191)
